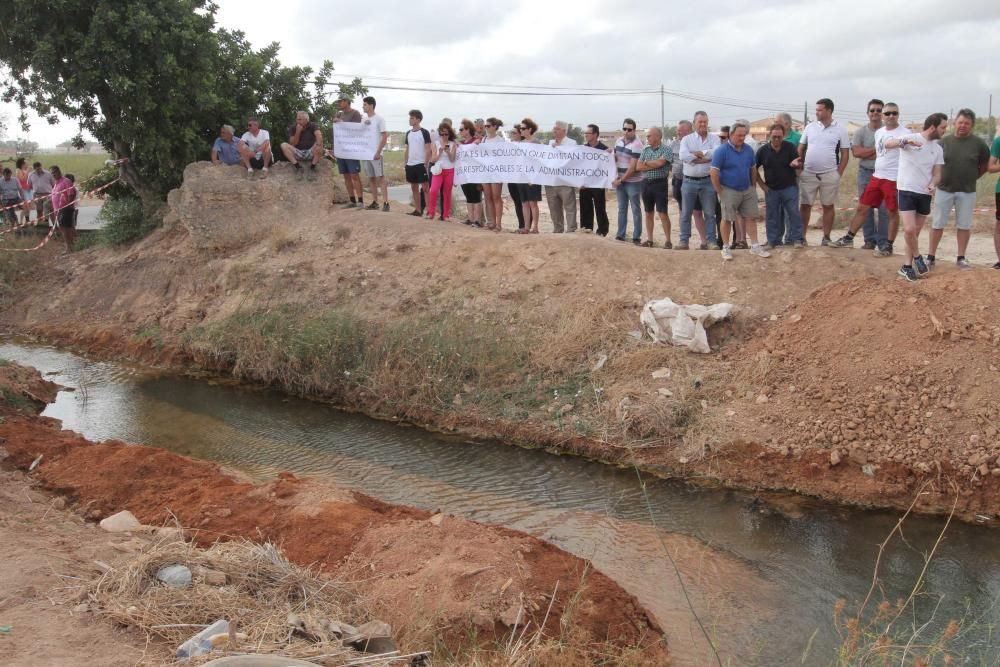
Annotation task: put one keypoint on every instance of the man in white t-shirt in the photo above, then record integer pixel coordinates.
(561, 198)
(255, 149)
(825, 150)
(374, 168)
(881, 188)
(921, 160)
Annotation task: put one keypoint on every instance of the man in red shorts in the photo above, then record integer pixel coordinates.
(882, 186)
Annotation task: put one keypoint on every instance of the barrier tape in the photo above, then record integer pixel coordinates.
(20, 205)
(53, 228)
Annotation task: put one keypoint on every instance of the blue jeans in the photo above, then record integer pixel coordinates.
(782, 215)
(629, 194)
(704, 192)
(877, 234)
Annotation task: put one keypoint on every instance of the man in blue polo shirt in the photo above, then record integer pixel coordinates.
(226, 149)
(734, 177)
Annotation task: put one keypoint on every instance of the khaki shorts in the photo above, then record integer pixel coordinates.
(739, 202)
(824, 185)
(373, 168)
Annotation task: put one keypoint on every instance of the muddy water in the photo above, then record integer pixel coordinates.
(763, 577)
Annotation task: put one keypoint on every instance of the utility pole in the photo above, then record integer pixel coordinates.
(662, 119)
(805, 114)
(993, 123)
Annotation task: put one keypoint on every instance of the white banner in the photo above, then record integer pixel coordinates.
(355, 141)
(537, 164)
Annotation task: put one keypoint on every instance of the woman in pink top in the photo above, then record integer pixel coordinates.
(443, 157)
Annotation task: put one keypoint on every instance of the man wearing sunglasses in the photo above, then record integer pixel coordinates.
(863, 148)
(881, 188)
(629, 182)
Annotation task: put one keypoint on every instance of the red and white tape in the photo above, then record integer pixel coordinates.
(53, 228)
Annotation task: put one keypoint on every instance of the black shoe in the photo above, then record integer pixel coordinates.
(385, 207)
(931, 261)
(997, 265)
(373, 206)
(620, 238)
(847, 241)
(869, 245)
(920, 265)
(636, 241)
(908, 273)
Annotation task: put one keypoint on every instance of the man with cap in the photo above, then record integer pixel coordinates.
(350, 169)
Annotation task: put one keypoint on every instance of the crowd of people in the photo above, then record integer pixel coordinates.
(49, 192)
(714, 178)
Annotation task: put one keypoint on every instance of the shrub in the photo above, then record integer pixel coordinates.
(126, 221)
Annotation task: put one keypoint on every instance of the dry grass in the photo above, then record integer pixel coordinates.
(280, 240)
(262, 589)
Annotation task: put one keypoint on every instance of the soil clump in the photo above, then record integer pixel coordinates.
(435, 578)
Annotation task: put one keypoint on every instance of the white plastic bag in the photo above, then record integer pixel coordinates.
(678, 324)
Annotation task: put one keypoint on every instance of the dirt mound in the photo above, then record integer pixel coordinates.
(350, 536)
(883, 371)
(19, 384)
(222, 208)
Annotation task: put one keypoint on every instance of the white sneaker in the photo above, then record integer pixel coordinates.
(759, 251)
(727, 254)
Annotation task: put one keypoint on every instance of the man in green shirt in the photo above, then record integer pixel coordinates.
(792, 135)
(966, 158)
(994, 168)
(654, 163)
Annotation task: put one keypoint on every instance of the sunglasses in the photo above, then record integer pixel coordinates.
(890, 113)
(874, 111)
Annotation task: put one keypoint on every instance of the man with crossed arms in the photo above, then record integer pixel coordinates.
(921, 161)
(881, 188)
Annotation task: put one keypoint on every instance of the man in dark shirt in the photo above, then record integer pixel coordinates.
(305, 144)
(592, 199)
(780, 160)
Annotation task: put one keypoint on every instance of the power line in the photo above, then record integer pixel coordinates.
(521, 93)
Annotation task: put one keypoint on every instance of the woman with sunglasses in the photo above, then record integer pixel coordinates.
(443, 172)
(530, 194)
(494, 191)
(473, 195)
(514, 189)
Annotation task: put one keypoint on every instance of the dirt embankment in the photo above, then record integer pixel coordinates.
(531, 340)
(433, 578)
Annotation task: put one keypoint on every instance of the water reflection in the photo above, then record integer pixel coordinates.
(764, 582)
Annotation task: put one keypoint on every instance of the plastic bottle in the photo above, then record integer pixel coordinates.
(200, 644)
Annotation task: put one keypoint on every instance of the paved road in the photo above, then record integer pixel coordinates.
(87, 218)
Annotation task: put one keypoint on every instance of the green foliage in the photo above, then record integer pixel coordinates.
(16, 400)
(126, 220)
(152, 80)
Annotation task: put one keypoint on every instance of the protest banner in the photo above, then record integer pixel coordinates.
(355, 141)
(536, 164)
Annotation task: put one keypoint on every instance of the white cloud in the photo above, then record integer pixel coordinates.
(921, 54)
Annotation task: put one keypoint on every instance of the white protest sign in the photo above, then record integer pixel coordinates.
(355, 141)
(577, 166)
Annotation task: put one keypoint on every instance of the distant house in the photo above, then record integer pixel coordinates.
(759, 128)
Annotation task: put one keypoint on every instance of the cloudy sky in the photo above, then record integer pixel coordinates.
(743, 60)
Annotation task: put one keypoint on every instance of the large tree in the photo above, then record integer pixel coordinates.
(152, 80)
